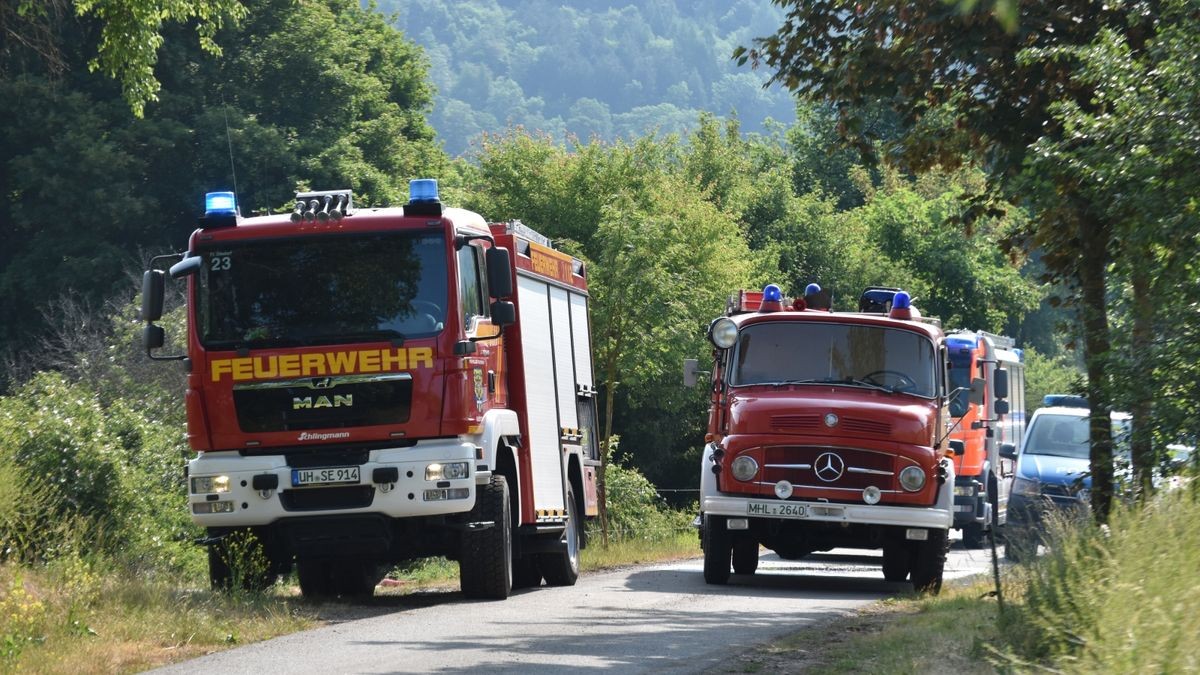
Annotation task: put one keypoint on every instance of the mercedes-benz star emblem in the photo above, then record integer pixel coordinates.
(829, 467)
(831, 420)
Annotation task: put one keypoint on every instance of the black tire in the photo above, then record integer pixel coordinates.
(973, 535)
(561, 568)
(745, 556)
(315, 579)
(224, 573)
(718, 549)
(897, 560)
(526, 573)
(929, 561)
(355, 578)
(485, 559)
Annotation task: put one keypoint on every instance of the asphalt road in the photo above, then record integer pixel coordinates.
(646, 619)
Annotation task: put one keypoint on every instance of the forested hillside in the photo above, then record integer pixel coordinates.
(603, 69)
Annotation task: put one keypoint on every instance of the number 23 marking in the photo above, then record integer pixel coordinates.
(219, 263)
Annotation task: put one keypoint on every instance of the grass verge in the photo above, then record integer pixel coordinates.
(68, 618)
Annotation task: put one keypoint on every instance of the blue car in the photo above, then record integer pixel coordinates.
(1053, 470)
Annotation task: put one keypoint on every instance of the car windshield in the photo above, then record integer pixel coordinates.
(1068, 436)
(808, 352)
(274, 293)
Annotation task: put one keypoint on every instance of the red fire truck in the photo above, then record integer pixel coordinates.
(371, 385)
(990, 431)
(826, 429)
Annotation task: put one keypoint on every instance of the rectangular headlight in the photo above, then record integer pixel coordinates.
(212, 507)
(203, 485)
(964, 490)
(448, 471)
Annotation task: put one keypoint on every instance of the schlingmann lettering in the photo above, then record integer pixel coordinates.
(305, 436)
(321, 363)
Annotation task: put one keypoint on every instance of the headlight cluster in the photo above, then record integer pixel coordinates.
(447, 471)
(1028, 487)
(744, 468)
(203, 485)
(912, 478)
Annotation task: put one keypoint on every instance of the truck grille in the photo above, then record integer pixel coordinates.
(315, 499)
(807, 466)
(323, 402)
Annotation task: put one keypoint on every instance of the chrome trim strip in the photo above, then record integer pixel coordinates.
(331, 381)
(873, 472)
(787, 466)
(797, 486)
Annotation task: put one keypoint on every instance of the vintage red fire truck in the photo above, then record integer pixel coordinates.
(826, 429)
(990, 431)
(371, 385)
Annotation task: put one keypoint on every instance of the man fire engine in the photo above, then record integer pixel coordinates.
(826, 429)
(367, 386)
(982, 473)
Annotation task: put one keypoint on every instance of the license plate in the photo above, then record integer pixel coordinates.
(777, 509)
(328, 476)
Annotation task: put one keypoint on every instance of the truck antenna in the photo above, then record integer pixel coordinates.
(229, 142)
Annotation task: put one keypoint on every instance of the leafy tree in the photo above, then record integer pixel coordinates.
(130, 35)
(965, 89)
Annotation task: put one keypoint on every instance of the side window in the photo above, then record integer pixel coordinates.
(470, 290)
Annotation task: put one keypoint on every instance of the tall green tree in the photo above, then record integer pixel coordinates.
(967, 88)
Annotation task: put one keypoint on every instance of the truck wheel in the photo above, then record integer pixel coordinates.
(526, 573)
(243, 564)
(973, 535)
(928, 562)
(355, 578)
(314, 577)
(562, 568)
(485, 560)
(897, 561)
(718, 547)
(745, 556)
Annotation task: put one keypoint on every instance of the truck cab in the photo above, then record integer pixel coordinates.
(826, 429)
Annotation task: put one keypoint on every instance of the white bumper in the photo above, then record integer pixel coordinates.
(405, 498)
(904, 516)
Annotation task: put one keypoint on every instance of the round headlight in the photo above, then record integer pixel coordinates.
(912, 478)
(744, 468)
(723, 332)
(783, 489)
(871, 494)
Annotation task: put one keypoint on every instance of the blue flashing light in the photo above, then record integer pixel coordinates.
(965, 344)
(902, 300)
(772, 293)
(812, 289)
(1020, 355)
(220, 204)
(423, 190)
(1064, 400)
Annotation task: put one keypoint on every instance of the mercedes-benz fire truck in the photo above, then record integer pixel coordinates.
(371, 385)
(826, 429)
(990, 431)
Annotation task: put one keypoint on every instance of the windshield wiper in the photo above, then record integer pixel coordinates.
(855, 382)
(396, 337)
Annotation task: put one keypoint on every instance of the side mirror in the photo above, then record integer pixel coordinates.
(153, 337)
(499, 273)
(186, 267)
(1001, 383)
(153, 288)
(1008, 451)
(977, 388)
(504, 313)
(1000, 408)
(692, 372)
(958, 447)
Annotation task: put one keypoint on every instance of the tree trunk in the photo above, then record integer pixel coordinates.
(1093, 262)
(1142, 381)
(610, 372)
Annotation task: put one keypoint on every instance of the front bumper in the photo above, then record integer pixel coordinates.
(405, 498)
(935, 517)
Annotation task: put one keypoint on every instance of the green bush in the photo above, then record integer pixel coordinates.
(635, 510)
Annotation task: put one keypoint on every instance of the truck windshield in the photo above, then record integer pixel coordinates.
(830, 353)
(288, 292)
(960, 379)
